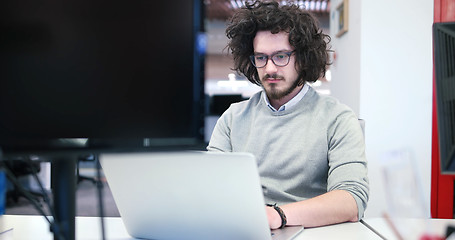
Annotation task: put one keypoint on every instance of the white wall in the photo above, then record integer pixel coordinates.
(383, 70)
(345, 83)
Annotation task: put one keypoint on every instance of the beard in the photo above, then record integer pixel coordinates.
(273, 92)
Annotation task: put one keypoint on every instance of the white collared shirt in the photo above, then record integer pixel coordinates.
(291, 102)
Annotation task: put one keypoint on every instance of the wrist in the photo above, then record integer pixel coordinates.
(282, 216)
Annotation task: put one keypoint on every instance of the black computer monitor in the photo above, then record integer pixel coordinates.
(108, 70)
(124, 75)
(444, 65)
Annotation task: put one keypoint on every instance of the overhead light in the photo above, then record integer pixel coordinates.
(310, 5)
(318, 6)
(240, 3)
(234, 4)
(324, 6)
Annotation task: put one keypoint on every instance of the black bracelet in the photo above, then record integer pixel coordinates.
(281, 213)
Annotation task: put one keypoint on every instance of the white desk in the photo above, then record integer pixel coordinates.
(88, 228)
(26, 227)
(410, 228)
(351, 231)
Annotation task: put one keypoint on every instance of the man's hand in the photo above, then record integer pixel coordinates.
(273, 218)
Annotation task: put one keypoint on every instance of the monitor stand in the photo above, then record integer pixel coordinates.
(63, 174)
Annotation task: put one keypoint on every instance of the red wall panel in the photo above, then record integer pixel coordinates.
(442, 185)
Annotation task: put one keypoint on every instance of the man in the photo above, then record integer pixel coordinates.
(310, 148)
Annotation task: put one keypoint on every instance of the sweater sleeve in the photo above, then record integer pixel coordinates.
(220, 141)
(347, 160)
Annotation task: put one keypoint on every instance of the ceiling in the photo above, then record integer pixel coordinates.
(223, 9)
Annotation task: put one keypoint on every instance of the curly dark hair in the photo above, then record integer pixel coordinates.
(310, 44)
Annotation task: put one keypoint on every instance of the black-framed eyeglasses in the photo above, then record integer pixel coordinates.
(280, 59)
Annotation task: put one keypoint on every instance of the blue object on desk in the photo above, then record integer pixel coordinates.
(2, 192)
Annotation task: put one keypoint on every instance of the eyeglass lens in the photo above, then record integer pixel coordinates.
(280, 59)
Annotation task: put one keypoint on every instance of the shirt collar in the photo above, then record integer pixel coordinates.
(291, 102)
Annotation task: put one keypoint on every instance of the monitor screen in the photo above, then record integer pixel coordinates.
(444, 65)
(118, 73)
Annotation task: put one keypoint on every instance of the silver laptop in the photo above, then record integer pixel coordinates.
(190, 195)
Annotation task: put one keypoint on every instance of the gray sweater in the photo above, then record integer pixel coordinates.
(313, 147)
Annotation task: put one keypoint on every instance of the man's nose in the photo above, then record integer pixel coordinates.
(270, 67)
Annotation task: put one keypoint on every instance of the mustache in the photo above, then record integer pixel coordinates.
(275, 76)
